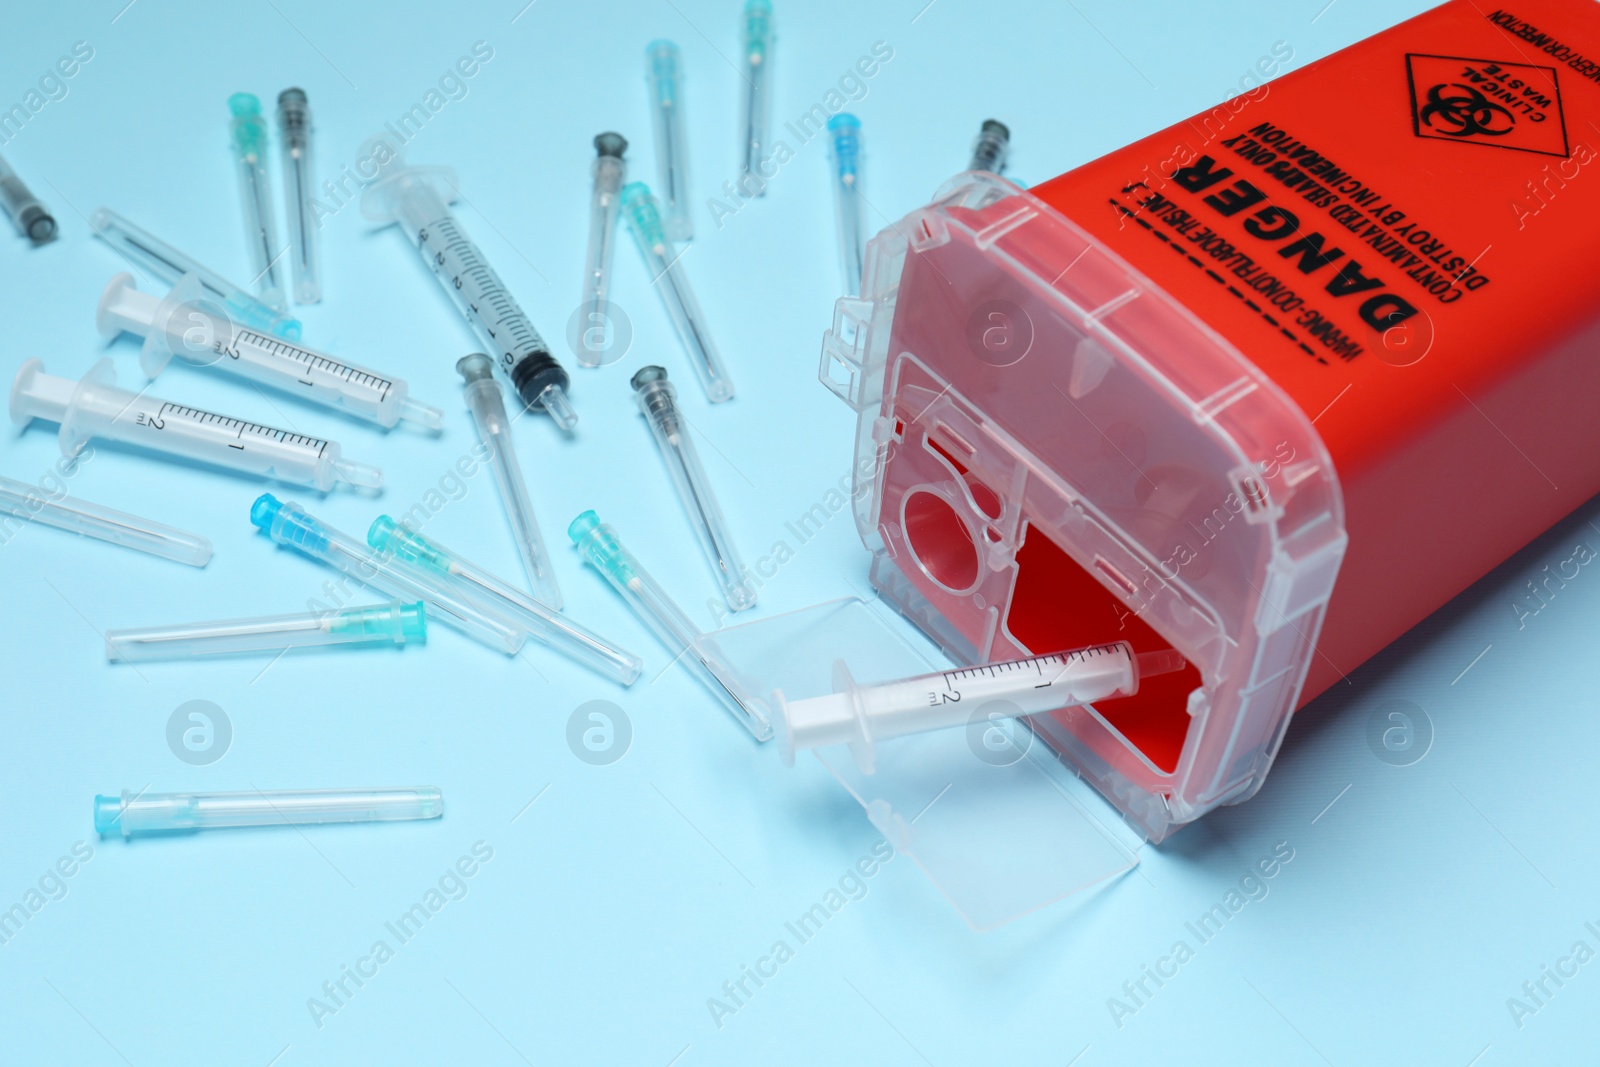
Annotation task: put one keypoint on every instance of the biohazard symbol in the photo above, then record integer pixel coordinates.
(1457, 110)
(1491, 103)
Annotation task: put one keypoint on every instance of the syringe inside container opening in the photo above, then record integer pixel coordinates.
(861, 715)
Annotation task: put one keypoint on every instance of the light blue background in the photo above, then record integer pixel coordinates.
(1419, 898)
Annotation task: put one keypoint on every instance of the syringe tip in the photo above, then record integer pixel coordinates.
(359, 475)
(611, 144)
(424, 415)
(1166, 661)
(558, 407)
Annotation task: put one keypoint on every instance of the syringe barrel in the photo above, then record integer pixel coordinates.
(651, 604)
(1021, 687)
(844, 149)
(488, 409)
(389, 624)
(661, 259)
(132, 814)
(562, 635)
(519, 351)
(148, 253)
(299, 195)
(757, 71)
(183, 325)
(664, 72)
(862, 715)
(249, 135)
(610, 168)
(94, 407)
(324, 379)
(419, 198)
(289, 524)
(658, 402)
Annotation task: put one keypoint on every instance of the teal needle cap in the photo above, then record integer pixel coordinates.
(286, 523)
(595, 539)
(640, 209)
(248, 127)
(386, 535)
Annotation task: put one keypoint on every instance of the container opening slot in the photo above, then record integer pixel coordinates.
(1056, 604)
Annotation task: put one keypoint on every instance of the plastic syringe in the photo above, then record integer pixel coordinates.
(664, 73)
(758, 38)
(287, 523)
(248, 134)
(299, 195)
(547, 627)
(94, 407)
(388, 624)
(150, 813)
(29, 502)
(698, 652)
(844, 149)
(185, 323)
(494, 430)
(419, 199)
(609, 170)
(666, 273)
(658, 403)
(28, 213)
(990, 148)
(861, 715)
(149, 253)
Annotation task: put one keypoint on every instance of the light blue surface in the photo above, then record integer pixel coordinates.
(609, 903)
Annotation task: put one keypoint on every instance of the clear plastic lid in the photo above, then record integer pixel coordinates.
(1060, 454)
(999, 825)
